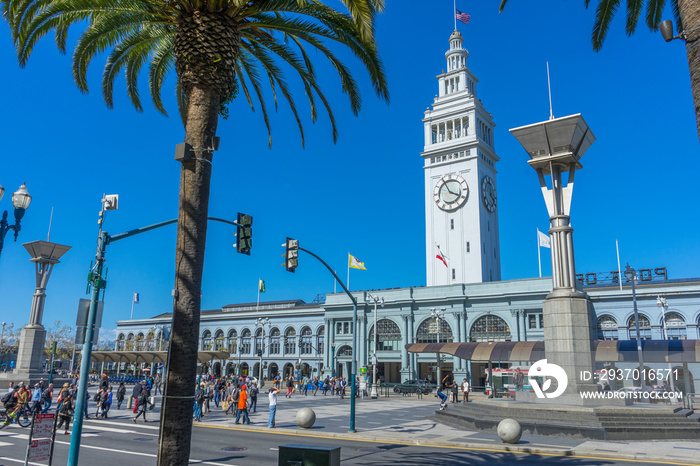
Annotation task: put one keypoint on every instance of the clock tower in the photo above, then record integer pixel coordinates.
(461, 205)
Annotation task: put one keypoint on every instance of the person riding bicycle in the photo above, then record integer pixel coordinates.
(11, 404)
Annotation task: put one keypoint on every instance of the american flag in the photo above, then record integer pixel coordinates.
(463, 17)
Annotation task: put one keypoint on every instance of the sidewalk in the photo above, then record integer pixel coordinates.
(406, 420)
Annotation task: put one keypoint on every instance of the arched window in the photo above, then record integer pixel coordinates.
(644, 328)
(150, 341)
(129, 342)
(306, 341)
(607, 328)
(259, 343)
(275, 341)
(320, 339)
(345, 352)
(245, 341)
(388, 336)
(138, 342)
(219, 344)
(427, 332)
(290, 341)
(490, 328)
(206, 341)
(121, 342)
(231, 341)
(675, 326)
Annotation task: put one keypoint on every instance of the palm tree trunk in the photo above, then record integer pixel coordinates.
(195, 177)
(690, 16)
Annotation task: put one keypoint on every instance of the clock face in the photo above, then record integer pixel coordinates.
(450, 192)
(488, 193)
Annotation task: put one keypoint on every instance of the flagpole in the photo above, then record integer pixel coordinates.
(348, 281)
(132, 308)
(619, 272)
(539, 253)
(454, 12)
(549, 86)
(257, 306)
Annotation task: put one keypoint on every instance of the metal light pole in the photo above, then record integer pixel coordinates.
(333, 359)
(373, 392)
(663, 304)
(20, 201)
(631, 276)
(438, 314)
(261, 322)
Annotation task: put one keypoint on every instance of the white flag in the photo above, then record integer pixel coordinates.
(543, 240)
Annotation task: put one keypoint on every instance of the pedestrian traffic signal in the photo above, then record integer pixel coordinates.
(244, 234)
(291, 254)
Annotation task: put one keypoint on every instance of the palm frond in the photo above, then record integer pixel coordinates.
(634, 8)
(604, 14)
(655, 10)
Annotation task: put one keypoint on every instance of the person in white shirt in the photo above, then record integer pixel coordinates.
(272, 395)
(465, 390)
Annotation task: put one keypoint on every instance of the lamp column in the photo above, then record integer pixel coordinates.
(555, 147)
(31, 345)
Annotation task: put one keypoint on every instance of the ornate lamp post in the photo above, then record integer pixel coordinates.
(555, 147)
(261, 322)
(376, 300)
(438, 314)
(631, 276)
(20, 201)
(663, 304)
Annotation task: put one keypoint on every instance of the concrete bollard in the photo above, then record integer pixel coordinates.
(509, 430)
(306, 417)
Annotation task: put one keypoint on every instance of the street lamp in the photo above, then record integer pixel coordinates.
(438, 314)
(661, 302)
(261, 322)
(370, 298)
(20, 201)
(631, 276)
(333, 360)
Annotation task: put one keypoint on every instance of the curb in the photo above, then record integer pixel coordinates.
(359, 436)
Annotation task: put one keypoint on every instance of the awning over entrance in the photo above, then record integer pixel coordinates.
(678, 351)
(149, 357)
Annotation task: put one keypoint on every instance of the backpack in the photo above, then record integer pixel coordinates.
(199, 397)
(236, 394)
(6, 397)
(45, 394)
(96, 397)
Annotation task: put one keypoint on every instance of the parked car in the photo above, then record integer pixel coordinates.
(413, 386)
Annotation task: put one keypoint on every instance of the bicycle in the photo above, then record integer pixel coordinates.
(23, 417)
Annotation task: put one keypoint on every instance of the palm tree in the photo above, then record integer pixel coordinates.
(686, 13)
(217, 47)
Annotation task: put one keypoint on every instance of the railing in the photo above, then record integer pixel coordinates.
(689, 400)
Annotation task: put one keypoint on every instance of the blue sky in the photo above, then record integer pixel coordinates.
(363, 195)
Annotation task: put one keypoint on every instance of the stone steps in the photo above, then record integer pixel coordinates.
(633, 423)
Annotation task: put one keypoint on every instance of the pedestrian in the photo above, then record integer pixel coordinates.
(272, 396)
(326, 385)
(305, 385)
(253, 394)
(199, 396)
(519, 380)
(106, 402)
(455, 392)
(290, 387)
(441, 389)
(465, 390)
(36, 398)
(343, 384)
(142, 404)
(47, 397)
(138, 387)
(217, 392)
(104, 382)
(243, 406)
(65, 412)
(121, 391)
(315, 384)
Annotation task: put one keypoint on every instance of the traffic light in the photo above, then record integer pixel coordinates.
(291, 254)
(53, 347)
(244, 233)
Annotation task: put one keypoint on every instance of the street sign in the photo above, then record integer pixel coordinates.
(43, 425)
(40, 449)
(363, 370)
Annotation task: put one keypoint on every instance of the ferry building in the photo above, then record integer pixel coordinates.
(464, 300)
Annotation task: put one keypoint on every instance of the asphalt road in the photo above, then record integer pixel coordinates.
(121, 442)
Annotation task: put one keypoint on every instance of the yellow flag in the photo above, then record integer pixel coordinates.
(356, 264)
